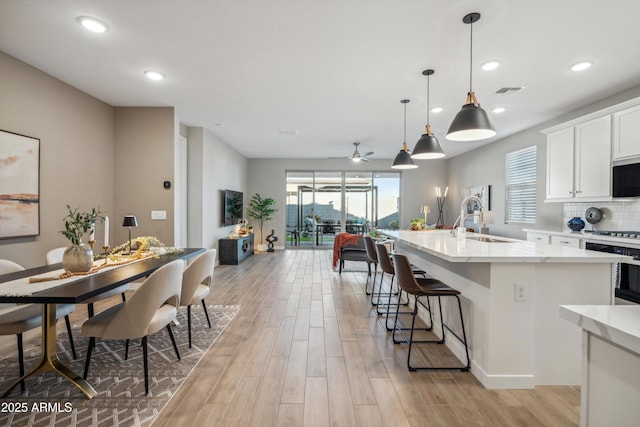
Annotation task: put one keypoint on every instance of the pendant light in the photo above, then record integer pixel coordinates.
(403, 160)
(428, 146)
(472, 122)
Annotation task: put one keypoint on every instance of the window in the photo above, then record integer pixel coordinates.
(520, 186)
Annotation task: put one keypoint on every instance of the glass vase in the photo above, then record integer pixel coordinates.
(78, 258)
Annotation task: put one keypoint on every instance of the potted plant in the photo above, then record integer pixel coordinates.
(79, 256)
(416, 224)
(261, 210)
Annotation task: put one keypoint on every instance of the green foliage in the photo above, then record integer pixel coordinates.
(393, 225)
(261, 210)
(76, 224)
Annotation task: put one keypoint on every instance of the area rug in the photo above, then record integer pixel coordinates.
(121, 401)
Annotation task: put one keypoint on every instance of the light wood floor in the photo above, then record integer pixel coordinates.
(307, 349)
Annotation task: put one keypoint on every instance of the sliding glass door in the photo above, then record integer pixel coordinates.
(323, 204)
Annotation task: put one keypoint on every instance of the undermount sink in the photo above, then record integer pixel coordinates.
(486, 239)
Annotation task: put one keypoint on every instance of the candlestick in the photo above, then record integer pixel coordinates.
(106, 232)
(92, 233)
(106, 253)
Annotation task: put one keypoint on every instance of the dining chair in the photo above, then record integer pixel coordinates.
(21, 318)
(150, 309)
(196, 284)
(54, 256)
(423, 287)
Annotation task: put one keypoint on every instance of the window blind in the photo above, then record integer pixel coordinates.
(520, 186)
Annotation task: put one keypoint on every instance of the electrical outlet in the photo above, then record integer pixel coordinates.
(520, 292)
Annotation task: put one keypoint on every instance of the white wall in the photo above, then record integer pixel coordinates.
(268, 177)
(213, 167)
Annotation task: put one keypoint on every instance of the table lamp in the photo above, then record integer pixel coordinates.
(425, 210)
(130, 221)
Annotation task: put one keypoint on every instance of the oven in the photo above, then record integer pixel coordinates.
(627, 274)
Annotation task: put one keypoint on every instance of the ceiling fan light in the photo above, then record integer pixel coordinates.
(470, 124)
(356, 159)
(427, 147)
(403, 160)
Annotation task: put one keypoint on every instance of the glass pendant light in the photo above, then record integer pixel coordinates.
(428, 146)
(472, 122)
(403, 160)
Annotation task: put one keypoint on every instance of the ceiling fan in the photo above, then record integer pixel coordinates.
(356, 157)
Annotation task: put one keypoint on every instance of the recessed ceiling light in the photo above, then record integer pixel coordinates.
(498, 110)
(581, 66)
(154, 75)
(437, 110)
(490, 65)
(93, 24)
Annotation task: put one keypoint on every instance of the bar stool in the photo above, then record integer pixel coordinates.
(386, 266)
(425, 288)
(373, 259)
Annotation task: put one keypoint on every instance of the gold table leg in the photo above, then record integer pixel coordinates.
(49, 361)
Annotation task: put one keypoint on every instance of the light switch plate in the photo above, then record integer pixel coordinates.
(158, 214)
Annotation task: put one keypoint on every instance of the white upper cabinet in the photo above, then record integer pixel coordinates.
(560, 164)
(579, 161)
(626, 133)
(593, 159)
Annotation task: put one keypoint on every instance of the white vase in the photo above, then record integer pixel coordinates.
(78, 258)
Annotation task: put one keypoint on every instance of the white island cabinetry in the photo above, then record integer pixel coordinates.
(610, 363)
(517, 339)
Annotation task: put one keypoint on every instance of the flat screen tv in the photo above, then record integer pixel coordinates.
(233, 207)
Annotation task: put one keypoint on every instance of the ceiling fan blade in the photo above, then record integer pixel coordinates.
(364, 159)
(366, 154)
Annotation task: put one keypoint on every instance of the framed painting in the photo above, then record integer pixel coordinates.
(19, 185)
(483, 192)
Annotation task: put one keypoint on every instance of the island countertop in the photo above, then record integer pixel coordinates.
(472, 248)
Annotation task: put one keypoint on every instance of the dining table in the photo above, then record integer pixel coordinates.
(14, 288)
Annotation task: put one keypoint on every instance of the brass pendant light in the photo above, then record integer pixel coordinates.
(428, 146)
(472, 122)
(403, 159)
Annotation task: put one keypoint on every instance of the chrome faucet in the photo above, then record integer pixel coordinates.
(463, 216)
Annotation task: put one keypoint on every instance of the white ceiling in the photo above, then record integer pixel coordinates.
(335, 70)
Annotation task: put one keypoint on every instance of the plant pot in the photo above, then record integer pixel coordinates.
(78, 258)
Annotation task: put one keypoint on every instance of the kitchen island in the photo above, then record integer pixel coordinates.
(511, 290)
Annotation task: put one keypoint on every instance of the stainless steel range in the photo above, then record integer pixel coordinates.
(627, 273)
(627, 234)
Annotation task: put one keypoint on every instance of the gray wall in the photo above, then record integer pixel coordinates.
(486, 166)
(144, 158)
(213, 167)
(76, 151)
(267, 177)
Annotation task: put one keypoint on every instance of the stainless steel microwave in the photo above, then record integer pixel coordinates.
(626, 180)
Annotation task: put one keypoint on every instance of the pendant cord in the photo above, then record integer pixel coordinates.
(404, 135)
(428, 96)
(471, 61)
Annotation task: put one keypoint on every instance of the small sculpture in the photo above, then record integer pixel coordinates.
(270, 239)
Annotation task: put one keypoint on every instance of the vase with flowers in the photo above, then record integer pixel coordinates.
(79, 256)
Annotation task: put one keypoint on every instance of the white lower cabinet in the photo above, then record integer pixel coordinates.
(538, 237)
(571, 242)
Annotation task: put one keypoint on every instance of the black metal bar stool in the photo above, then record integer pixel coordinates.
(425, 288)
(373, 259)
(386, 266)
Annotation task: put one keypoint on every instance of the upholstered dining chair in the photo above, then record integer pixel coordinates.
(54, 256)
(150, 309)
(21, 318)
(196, 283)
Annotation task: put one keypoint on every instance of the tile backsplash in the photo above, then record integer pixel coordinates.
(620, 216)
